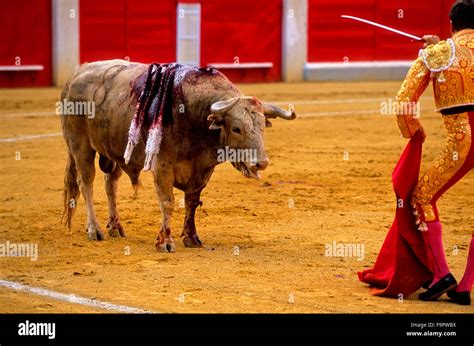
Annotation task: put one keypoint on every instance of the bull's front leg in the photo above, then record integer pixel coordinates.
(164, 187)
(189, 234)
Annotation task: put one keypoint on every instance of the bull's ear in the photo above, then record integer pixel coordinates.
(268, 123)
(217, 121)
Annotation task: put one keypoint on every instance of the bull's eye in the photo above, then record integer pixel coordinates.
(236, 130)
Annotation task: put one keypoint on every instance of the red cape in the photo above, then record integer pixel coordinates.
(402, 265)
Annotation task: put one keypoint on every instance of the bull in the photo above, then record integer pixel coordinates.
(207, 113)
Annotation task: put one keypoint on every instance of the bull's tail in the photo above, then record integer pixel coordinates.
(71, 190)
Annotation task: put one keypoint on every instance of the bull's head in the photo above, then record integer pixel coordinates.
(242, 121)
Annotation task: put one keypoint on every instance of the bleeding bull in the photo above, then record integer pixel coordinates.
(173, 120)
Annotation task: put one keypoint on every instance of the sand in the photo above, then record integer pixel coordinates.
(264, 241)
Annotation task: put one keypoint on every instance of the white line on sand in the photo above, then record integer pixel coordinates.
(297, 102)
(31, 114)
(71, 298)
(300, 102)
(28, 137)
(302, 115)
(338, 101)
(325, 114)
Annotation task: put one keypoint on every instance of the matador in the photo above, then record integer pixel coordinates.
(449, 66)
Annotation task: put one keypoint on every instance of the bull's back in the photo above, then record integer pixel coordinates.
(92, 80)
(105, 88)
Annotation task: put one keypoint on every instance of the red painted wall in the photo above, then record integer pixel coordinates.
(332, 38)
(143, 31)
(247, 29)
(26, 33)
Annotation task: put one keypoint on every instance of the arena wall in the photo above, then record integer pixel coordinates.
(25, 49)
(342, 49)
(251, 41)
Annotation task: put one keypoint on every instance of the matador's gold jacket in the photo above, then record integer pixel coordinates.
(450, 65)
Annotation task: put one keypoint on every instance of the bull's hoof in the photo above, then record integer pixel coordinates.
(115, 229)
(165, 247)
(192, 241)
(95, 234)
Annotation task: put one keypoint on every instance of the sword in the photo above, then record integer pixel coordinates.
(403, 33)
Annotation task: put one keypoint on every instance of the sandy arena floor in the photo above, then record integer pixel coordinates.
(328, 181)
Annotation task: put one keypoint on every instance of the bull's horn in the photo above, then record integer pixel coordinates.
(220, 107)
(272, 111)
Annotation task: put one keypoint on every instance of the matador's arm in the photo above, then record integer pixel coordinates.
(413, 86)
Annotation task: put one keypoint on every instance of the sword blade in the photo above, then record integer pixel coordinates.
(403, 33)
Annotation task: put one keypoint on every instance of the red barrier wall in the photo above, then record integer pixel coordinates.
(334, 39)
(26, 33)
(247, 29)
(143, 31)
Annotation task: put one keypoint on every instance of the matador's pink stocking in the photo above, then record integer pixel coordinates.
(434, 243)
(468, 278)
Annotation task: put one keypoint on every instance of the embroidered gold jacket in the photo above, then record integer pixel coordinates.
(450, 65)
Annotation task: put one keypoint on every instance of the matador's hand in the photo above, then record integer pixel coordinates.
(429, 40)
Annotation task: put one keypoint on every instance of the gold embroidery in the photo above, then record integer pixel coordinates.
(444, 167)
(438, 57)
(457, 88)
(416, 81)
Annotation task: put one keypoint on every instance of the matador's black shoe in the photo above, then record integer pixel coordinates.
(444, 285)
(461, 298)
(426, 285)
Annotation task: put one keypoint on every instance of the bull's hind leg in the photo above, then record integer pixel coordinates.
(190, 236)
(164, 188)
(85, 165)
(111, 183)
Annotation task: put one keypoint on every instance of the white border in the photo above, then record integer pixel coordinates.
(72, 298)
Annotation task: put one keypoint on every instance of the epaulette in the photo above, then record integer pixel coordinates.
(439, 57)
